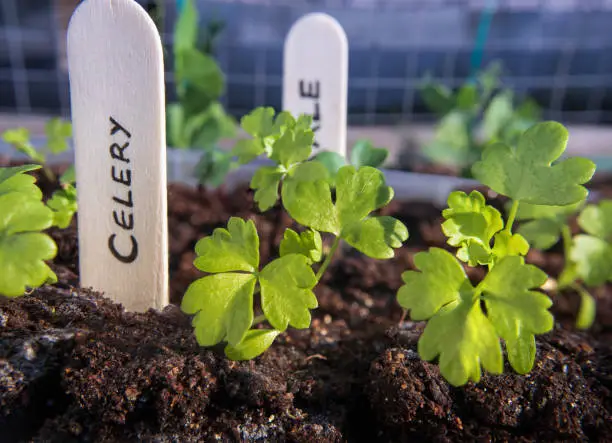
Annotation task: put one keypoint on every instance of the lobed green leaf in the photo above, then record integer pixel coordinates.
(63, 202)
(15, 179)
(471, 224)
(592, 257)
(596, 220)
(526, 173)
(233, 249)
(23, 248)
(255, 343)
(286, 291)
(365, 154)
(516, 311)
(223, 307)
(307, 243)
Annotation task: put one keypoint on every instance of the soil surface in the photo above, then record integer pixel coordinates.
(74, 367)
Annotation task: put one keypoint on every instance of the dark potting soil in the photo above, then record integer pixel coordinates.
(75, 368)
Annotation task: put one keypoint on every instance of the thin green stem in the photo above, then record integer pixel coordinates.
(328, 259)
(512, 215)
(567, 241)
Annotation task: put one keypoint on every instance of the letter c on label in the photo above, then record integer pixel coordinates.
(123, 258)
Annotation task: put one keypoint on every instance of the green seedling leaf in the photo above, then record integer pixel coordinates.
(376, 236)
(358, 193)
(310, 204)
(365, 154)
(286, 292)
(293, 146)
(222, 303)
(307, 243)
(265, 182)
(58, 132)
(542, 234)
(265, 131)
(544, 223)
(69, 176)
(471, 224)
(437, 97)
(596, 220)
(467, 98)
(186, 30)
(259, 122)
(592, 253)
(516, 311)
(451, 144)
(223, 307)
(19, 138)
(527, 174)
(308, 171)
(233, 249)
(464, 340)
(457, 331)
(200, 71)
(508, 244)
(255, 343)
(63, 202)
(23, 248)
(592, 257)
(332, 162)
(204, 130)
(497, 115)
(213, 167)
(248, 150)
(15, 179)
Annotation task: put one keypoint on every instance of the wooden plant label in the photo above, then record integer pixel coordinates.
(117, 96)
(315, 78)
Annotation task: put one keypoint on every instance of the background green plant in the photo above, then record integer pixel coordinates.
(63, 202)
(479, 113)
(198, 120)
(363, 153)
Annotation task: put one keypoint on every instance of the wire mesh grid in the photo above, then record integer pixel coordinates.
(557, 51)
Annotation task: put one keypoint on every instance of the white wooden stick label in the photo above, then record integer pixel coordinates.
(117, 96)
(315, 78)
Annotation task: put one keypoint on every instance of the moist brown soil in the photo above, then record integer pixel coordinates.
(75, 368)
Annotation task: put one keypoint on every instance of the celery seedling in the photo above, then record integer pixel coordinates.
(466, 322)
(223, 301)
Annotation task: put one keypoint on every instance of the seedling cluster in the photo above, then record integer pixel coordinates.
(479, 113)
(467, 324)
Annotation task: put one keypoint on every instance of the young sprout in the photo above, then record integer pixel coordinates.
(223, 301)
(466, 322)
